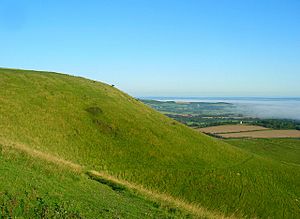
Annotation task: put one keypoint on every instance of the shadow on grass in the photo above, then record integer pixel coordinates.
(114, 186)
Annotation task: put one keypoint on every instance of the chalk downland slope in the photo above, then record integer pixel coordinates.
(37, 185)
(96, 126)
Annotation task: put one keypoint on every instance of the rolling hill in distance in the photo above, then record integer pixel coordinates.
(75, 147)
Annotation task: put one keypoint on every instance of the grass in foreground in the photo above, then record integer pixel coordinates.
(33, 188)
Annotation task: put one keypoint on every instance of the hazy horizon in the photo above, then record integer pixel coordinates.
(260, 107)
(195, 98)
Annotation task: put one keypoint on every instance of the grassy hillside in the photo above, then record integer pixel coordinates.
(97, 126)
(45, 190)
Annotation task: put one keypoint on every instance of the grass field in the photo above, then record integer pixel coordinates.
(248, 131)
(230, 128)
(96, 126)
(283, 150)
(264, 134)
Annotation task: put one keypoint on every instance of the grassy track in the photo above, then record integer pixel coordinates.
(99, 127)
(43, 189)
(171, 206)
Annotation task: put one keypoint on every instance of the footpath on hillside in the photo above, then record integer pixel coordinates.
(114, 182)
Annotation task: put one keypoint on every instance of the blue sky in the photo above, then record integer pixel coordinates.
(160, 47)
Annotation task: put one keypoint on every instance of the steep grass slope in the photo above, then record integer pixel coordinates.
(37, 188)
(101, 128)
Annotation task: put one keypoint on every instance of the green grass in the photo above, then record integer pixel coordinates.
(103, 129)
(44, 190)
(284, 150)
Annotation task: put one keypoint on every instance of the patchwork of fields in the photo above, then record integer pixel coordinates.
(207, 114)
(248, 131)
(230, 129)
(264, 134)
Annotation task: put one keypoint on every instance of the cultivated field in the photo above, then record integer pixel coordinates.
(231, 129)
(249, 131)
(264, 134)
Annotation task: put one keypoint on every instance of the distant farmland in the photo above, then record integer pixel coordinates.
(231, 128)
(249, 131)
(264, 134)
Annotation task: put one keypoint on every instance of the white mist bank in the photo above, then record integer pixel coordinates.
(271, 109)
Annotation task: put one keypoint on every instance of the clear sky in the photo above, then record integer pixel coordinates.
(160, 47)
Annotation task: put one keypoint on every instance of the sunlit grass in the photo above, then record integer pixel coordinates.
(98, 127)
(32, 186)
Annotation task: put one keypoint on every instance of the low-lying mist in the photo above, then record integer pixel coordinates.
(286, 109)
(260, 107)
